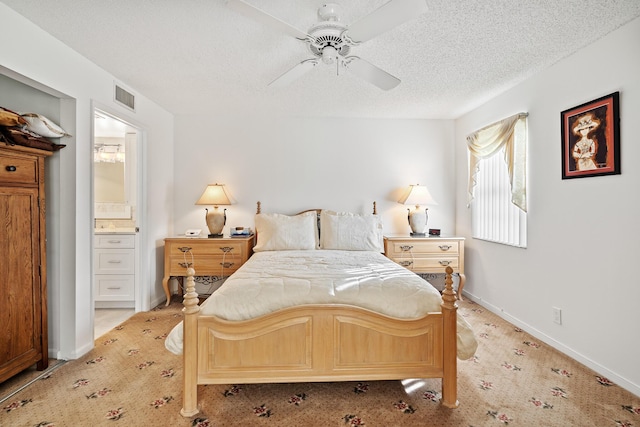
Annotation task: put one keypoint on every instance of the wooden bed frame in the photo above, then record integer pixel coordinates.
(314, 343)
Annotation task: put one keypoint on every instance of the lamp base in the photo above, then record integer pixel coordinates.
(215, 236)
(417, 234)
(216, 221)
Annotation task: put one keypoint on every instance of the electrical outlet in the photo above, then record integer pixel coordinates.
(557, 315)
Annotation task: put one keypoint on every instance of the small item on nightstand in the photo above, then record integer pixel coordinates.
(434, 232)
(241, 232)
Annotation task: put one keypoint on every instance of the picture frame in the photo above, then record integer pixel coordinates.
(591, 138)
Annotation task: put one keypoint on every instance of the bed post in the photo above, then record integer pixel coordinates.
(450, 375)
(258, 208)
(190, 347)
(375, 208)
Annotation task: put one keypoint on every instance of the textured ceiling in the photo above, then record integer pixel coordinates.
(198, 56)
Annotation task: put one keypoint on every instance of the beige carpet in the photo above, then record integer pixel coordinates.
(129, 379)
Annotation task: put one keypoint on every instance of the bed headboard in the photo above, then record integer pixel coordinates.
(259, 209)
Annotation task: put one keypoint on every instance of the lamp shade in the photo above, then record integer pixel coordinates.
(215, 195)
(417, 195)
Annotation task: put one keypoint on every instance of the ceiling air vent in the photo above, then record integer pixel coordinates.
(125, 98)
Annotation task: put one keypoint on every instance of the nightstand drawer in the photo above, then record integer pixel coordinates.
(407, 247)
(208, 247)
(204, 265)
(435, 265)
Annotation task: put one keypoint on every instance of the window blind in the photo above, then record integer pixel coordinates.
(497, 181)
(494, 217)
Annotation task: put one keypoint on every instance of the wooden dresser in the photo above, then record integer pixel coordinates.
(209, 257)
(428, 254)
(23, 263)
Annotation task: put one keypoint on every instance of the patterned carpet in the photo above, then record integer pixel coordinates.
(130, 379)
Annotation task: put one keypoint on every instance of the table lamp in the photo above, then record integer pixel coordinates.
(417, 195)
(216, 195)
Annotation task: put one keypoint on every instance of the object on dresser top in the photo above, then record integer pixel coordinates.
(417, 195)
(216, 195)
(193, 232)
(241, 232)
(11, 118)
(43, 126)
(26, 138)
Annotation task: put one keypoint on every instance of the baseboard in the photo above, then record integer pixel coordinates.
(114, 304)
(620, 381)
(161, 301)
(76, 354)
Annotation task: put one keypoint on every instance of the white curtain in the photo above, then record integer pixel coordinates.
(509, 133)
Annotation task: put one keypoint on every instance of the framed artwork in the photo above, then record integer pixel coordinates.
(591, 138)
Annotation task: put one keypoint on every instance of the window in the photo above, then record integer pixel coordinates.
(497, 181)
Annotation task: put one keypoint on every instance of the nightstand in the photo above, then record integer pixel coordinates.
(427, 254)
(209, 257)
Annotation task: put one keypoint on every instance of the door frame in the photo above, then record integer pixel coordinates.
(142, 294)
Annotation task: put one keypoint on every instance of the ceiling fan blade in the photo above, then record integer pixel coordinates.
(371, 73)
(386, 17)
(264, 18)
(294, 73)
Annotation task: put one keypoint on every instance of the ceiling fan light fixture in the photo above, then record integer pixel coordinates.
(329, 53)
(330, 40)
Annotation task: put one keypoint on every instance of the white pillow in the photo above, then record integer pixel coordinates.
(350, 232)
(277, 232)
(43, 126)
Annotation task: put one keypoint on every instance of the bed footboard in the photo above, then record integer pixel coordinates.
(318, 343)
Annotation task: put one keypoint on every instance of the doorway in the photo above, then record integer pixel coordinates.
(116, 220)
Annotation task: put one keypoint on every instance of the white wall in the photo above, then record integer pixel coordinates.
(584, 235)
(35, 58)
(292, 164)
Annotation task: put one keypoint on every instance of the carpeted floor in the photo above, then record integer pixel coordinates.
(130, 379)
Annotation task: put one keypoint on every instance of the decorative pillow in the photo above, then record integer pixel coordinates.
(43, 126)
(9, 118)
(351, 232)
(277, 232)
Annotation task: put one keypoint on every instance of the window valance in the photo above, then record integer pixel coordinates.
(488, 141)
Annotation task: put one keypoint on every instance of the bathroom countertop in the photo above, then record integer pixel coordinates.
(123, 230)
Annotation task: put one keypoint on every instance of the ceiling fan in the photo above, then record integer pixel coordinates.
(330, 41)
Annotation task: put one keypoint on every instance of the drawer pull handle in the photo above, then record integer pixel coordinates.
(405, 263)
(185, 264)
(406, 248)
(11, 168)
(115, 241)
(113, 287)
(227, 264)
(444, 262)
(184, 249)
(445, 247)
(114, 261)
(226, 249)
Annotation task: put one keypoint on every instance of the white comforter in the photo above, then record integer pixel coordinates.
(274, 280)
